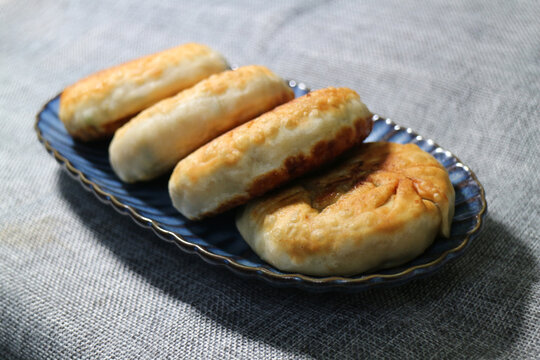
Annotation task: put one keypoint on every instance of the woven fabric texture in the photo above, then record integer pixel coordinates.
(78, 280)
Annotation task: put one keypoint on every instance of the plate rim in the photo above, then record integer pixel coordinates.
(287, 279)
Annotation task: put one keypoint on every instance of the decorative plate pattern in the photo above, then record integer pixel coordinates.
(217, 241)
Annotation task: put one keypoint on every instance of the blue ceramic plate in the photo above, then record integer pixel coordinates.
(217, 241)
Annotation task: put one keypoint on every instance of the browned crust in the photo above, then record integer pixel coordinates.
(320, 153)
(232, 203)
(103, 80)
(239, 78)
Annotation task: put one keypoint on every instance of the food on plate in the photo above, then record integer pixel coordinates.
(379, 207)
(154, 141)
(266, 152)
(96, 106)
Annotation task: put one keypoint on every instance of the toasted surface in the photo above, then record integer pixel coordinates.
(381, 206)
(96, 106)
(275, 147)
(154, 141)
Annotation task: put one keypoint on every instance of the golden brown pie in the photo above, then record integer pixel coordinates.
(381, 206)
(154, 141)
(96, 106)
(275, 147)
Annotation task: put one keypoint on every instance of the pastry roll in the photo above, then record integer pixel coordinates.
(96, 106)
(155, 140)
(380, 207)
(277, 146)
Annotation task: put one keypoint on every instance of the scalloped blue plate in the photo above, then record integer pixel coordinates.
(217, 241)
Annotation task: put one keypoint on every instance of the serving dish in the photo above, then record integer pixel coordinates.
(217, 241)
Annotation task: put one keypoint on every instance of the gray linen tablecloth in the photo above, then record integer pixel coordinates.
(78, 280)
